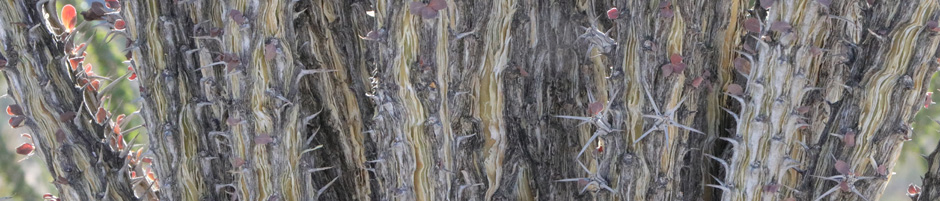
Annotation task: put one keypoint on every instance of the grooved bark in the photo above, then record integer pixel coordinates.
(298, 100)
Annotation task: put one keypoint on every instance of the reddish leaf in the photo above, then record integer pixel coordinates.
(95, 12)
(666, 12)
(842, 167)
(772, 188)
(678, 68)
(735, 89)
(928, 100)
(423, 10)
(133, 73)
(766, 3)
(844, 186)
(697, 81)
(26, 135)
(67, 116)
(3, 61)
(25, 149)
(815, 51)
(270, 50)
(802, 109)
(437, 4)
(14, 110)
(913, 190)
(147, 160)
(113, 4)
(94, 85)
(238, 162)
(882, 169)
(752, 25)
(595, 107)
(119, 24)
(232, 121)
(60, 136)
(667, 70)
(613, 14)
(101, 115)
(17, 121)
(263, 139)
(75, 62)
(48, 196)
(675, 59)
(68, 17)
(79, 49)
(780, 26)
(237, 16)
(849, 139)
(825, 3)
(742, 65)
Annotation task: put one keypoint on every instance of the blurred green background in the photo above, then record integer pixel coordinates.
(29, 179)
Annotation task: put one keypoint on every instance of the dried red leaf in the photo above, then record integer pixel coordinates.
(132, 77)
(844, 186)
(68, 17)
(595, 107)
(113, 4)
(675, 59)
(120, 142)
(79, 49)
(842, 167)
(772, 188)
(48, 196)
(263, 139)
(666, 12)
(95, 84)
(119, 24)
(147, 160)
(238, 162)
(101, 115)
(613, 13)
(883, 169)
(742, 65)
(802, 109)
(678, 68)
(237, 16)
(60, 136)
(849, 139)
(270, 50)
(928, 100)
(25, 149)
(67, 116)
(26, 135)
(913, 190)
(437, 4)
(766, 3)
(17, 121)
(735, 89)
(780, 26)
(96, 12)
(667, 70)
(697, 82)
(75, 62)
(423, 10)
(752, 25)
(14, 110)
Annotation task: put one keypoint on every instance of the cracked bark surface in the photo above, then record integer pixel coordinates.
(296, 100)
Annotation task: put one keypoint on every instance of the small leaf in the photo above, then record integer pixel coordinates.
(928, 100)
(913, 190)
(675, 59)
(96, 12)
(238, 162)
(595, 107)
(780, 26)
(437, 4)
(849, 139)
(742, 65)
(237, 16)
(667, 70)
(678, 68)
(68, 17)
(735, 89)
(825, 3)
(842, 167)
(14, 110)
(101, 115)
(60, 136)
(882, 169)
(613, 13)
(119, 24)
(844, 186)
(67, 116)
(697, 81)
(752, 25)
(802, 109)
(25, 149)
(772, 188)
(113, 4)
(17, 121)
(263, 139)
(666, 12)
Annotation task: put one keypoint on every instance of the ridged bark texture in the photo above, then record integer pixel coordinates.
(297, 100)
